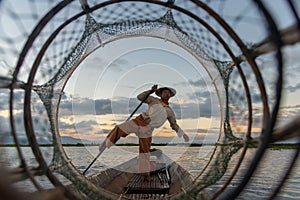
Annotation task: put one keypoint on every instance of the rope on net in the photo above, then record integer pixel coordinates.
(99, 34)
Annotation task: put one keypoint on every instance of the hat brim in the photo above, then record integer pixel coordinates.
(159, 91)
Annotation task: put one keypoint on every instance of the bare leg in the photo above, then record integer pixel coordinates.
(144, 157)
(112, 138)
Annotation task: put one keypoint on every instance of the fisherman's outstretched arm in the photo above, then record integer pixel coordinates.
(176, 127)
(142, 96)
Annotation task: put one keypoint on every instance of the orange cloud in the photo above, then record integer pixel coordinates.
(181, 102)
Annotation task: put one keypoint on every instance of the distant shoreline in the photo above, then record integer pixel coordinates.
(270, 146)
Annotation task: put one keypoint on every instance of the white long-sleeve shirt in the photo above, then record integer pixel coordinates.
(157, 114)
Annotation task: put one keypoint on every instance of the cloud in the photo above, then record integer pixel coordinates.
(106, 124)
(103, 131)
(192, 110)
(196, 130)
(17, 99)
(4, 124)
(65, 104)
(103, 106)
(256, 97)
(64, 126)
(81, 127)
(294, 88)
(119, 64)
(286, 112)
(198, 83)
(126, 106)
(120, 105)
(40, 124)
(200, 96)
(87, 123)
(86, 106)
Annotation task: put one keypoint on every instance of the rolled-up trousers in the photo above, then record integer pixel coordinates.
(144, 132)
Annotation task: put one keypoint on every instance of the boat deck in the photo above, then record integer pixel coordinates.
(123, 181)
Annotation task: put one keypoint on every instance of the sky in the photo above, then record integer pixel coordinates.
(102, 91)
(117, 75)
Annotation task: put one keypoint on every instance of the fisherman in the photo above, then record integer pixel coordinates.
(143, 125)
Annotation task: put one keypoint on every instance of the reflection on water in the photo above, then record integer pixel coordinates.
(193, 159)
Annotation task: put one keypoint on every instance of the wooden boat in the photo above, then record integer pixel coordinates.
(167, 179)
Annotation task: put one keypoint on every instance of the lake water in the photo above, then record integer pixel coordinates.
(193, 159)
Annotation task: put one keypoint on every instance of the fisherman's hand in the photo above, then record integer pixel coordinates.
(186, 138)
(154, 88)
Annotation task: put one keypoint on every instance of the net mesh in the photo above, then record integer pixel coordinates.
(44, 42)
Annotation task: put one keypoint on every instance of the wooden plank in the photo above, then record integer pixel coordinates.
(158, 184)
(145, 196)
